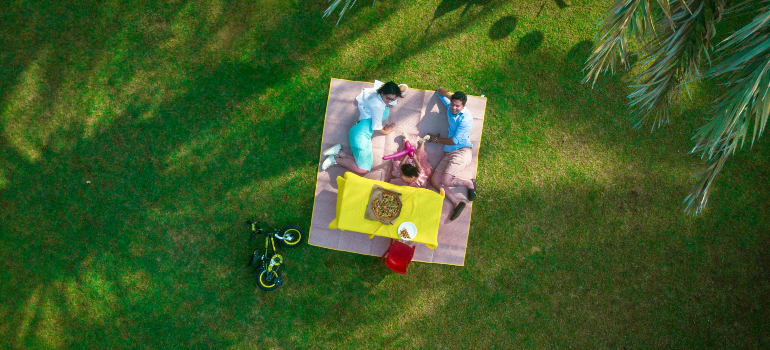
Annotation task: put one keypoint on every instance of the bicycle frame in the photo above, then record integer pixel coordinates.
(256, 230)
(268, 262)
(269, 243)
(276, 259)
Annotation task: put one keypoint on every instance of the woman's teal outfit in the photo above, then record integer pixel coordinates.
(373, 112)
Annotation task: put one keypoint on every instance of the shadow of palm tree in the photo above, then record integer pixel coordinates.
(408, 46)
(447, 6)
(576, 59)
(530, 42)
(37, 27)
(503, 28)
(125, 219)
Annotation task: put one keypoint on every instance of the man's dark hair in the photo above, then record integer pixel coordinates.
(410, 170)
(389, 88)
(460, 96)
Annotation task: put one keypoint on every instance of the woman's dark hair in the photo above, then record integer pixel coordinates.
(410, 170)
(460, 96)
(389, 88)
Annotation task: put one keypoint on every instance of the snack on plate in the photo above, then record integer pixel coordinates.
(403, 233)
(387, 206)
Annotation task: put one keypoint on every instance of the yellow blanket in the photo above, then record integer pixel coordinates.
(420, 206)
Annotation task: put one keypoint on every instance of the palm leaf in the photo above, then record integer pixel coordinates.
(624, 18)
(334, 5)
(743, 109)
(348, 4)
(673, 58)
(698, 197)
(676, 41)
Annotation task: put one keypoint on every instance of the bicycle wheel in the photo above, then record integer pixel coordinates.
(268, 281)
(293, 235)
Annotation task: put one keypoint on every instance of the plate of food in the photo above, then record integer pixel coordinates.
(407, 231)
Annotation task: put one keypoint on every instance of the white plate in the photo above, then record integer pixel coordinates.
(410, 229)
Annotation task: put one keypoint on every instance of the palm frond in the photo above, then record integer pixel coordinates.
(335, 4)
(673, 57)
(746, 72)
(749, 42)
(745, 105)
(623, 19)
(698, 197)
(676, 41)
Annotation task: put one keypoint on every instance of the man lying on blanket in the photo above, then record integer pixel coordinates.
(457, 146)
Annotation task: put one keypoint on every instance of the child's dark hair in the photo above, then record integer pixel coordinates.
(389, 88)
(460, 96)
(410, 170)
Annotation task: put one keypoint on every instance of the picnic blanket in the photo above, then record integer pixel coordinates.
(417, 113)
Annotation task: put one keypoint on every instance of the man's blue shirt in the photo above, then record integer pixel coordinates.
(460, 126)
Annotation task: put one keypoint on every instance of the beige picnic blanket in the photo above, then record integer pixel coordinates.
(418, 113)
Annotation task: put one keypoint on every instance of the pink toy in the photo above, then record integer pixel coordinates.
(409, 150)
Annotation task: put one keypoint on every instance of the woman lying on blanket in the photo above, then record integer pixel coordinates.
(413, 172)
(374, 104)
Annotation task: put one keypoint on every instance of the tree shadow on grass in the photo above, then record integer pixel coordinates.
(530, 42)
(80, 210)
(551, 85)
(447, 6)
(412, 45)
(503, 27)
(576, 59)
(132, 222)
(34, 27)
(561, 4)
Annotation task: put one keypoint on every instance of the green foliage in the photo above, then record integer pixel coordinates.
(136, 137)
(675, 40)
(333, 6)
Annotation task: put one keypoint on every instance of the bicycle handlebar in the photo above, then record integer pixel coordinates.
(256, 224)
(255, 227)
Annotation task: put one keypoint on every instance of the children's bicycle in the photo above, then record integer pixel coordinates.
(268, 273)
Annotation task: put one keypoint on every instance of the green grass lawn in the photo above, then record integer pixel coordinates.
(136, 138)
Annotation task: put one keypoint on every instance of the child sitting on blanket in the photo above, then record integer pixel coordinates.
(413, 172)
